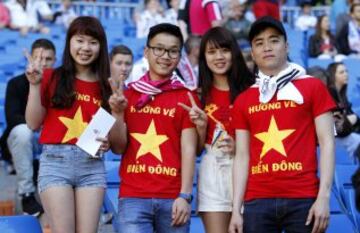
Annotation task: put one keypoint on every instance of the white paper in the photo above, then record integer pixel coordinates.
(99, 126)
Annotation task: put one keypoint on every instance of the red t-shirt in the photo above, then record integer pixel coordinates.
(202, 13)
(64, 126)
(218, 111)
(151, 165)
(283, 161)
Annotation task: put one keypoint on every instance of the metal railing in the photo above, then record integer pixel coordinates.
(124, 10)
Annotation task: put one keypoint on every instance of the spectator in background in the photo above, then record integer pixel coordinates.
(266, 7)
(171, 14)
(338, 8)
(17, 137)
(348, 135)
(192, 48)
(65, 14)
(237, 22)
(150, 16)
(198, 16)
(305, 21)
(121, 62)
(339, 14)
(348, 39)
(323, 44)
(4, 16)
(24, 15)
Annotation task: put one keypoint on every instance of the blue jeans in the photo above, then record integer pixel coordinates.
(277, 215)
(147, 215)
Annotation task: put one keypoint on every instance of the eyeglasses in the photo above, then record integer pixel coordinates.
(159, 51)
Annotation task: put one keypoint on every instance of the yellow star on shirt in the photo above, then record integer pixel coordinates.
(273, 138)
(150, 142)
(75, 126)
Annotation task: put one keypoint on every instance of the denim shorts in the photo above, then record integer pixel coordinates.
(68, 165)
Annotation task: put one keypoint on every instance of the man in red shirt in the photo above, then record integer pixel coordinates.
(278, 123)
(198, 16)
(158, 163)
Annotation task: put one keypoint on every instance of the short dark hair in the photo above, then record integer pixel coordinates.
(43, 43)
(352, 8)
(167, 28)
(262, 24)
(121, 49)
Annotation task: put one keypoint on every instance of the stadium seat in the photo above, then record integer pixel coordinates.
(336, 206)
(323, 63)
(342, 157)
(354, 212)
(340, 223)
(196, 225)
(112, 174)
(342, 183)
(19, 224)
(110, 156)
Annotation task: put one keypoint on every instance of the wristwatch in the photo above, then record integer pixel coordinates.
(187, 196)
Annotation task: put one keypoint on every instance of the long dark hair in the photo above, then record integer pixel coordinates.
(331, 70)
(339, 95)
(318, 27)
(239, 76)
(64, 76)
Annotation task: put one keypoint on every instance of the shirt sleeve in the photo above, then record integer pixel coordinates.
(321, 99)
(213, 10)
(238, 119)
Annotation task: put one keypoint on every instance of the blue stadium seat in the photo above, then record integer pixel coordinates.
(19, 224)
(342, 182)
(323, 63)
(112, 175)
(340, 223)
(196, 225)
(354, 212)
(336, 206)
(342, 157)
(110, 156)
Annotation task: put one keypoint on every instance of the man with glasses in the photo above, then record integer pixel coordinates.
(158, 163)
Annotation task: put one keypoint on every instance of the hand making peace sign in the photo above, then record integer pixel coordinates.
(117, 100)
(196, 114)
(34, 69)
